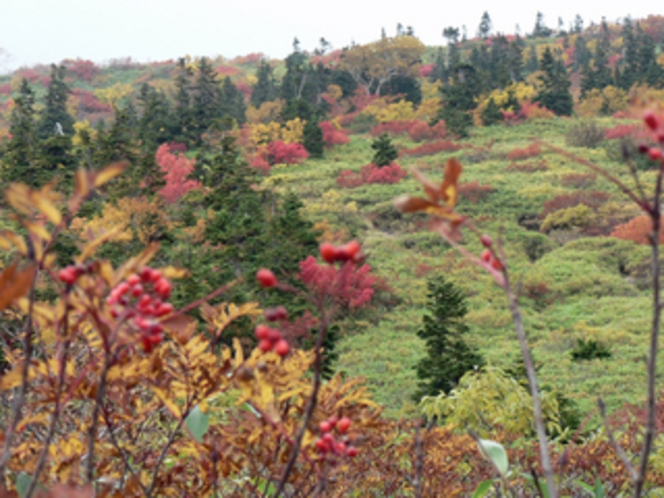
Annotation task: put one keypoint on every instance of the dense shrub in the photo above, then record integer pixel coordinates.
(371, 173)
(474, 191)
(589, 349)
(431, 148)
(540, 165)
(393, 128)
(89, 103)
(586, 134)
(279, 152)
(176, 169)
(579, 180)
(591, 198)
(532, 150)
(332, 135)
(637, 230)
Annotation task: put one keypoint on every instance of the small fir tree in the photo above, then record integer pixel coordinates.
(491, 113)
(20, 157)
(448, 356)
(313, 139)
(385, 151)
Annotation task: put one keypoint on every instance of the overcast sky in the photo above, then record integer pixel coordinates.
(46, 31)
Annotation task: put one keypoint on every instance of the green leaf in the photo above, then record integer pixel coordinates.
(482, 488)
(22, 483)
(496, 453)
(198, 423)
(599, 489)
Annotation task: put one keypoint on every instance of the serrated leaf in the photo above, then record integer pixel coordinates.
(198, 423)
(482, 488)
(496, 453)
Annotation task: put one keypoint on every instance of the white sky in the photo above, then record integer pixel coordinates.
(46, 31)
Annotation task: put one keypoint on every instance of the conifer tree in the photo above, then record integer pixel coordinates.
(232, 102)
(555, 94)
(206, 100)
(385, 151)
(183, 112)
(448, 356)
(458, 98)
(21, 154)
(154, 125)
(491, 114)
(265, 89)
(313, 138)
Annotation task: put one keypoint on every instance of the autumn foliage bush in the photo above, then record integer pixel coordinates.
(279, 152)
(430, 148)
(637, 230)
(369, 174)
(528, 152)
(474, 191)
(176, 168)
(590, 198)
(332, 135)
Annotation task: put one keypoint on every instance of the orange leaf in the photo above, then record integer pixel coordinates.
(15, 284)
(449, 189)
(109, 172)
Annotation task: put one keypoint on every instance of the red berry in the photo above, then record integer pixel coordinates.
(164, 309)
(137, 290)
(332, 421)
(486, 256)
(282, 348)
(122, 288)
(163, 288)
(265, 345)
(144, 301)
(266, 278)
(146, 273)
(351, 451)
(133, 279)
(328, 438)
(651, 120)
(262, 332)
(155, 276)
(274, 314)
(328, 252)
(343, 425)
(67, 275)
(497, 265)
(274, 336)
(325, 427)
(340, 254)
(352, 249)
(341, 448)
(643, 148)
(321, 445)
(486, 240)
(654, 153)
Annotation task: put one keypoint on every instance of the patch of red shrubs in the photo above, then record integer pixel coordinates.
(369, 174)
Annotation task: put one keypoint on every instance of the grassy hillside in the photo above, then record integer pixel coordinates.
(573, 285)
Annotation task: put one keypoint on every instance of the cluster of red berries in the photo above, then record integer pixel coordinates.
(487, 255)
(70, 274)
(347, 252)
(328, 444)
(653, 122)
(271, 339)
(142, 298)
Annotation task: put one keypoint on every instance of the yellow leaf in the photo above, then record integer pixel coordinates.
(9, 239)
(169, 403)
(47, 208)
(173, 272)
(81, 184)
(11, 379)
(38, 230)
(92, 247)
(109, 172)
(15, 284)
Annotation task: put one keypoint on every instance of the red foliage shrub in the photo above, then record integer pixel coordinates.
(528, 167)
(29, 74)
(579, 180)
(176, 168)
(227, 70)
(259, 162)
(279, 152)
(474, 191)
(637, 230)
(393, 128)
(419, 131)
(351, 286)
(371, 173)
(89, 103)
(533, 150)
(252, 58)
(244, 87)
(333, 136)
(426, 70)
(591, 198)
(634, 131)
(83, 69)
(431, 148)
(5, 89)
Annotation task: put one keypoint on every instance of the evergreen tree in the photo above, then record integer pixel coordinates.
(21, 154)
(555, 94)
(582, 55)
(406, 86)
(540, 30)
(448, 356)
(385, 151)
(232, 102)
(599, 76)
(484, 29)
(313, 139)
(155, 124)
(206, 99)
(55, 129)
(265, 89)
(458, 98)
(183, 113)
(491, 114)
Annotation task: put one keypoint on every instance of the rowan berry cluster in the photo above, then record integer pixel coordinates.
(654, 123)
(70, 274)
(142, 299)
(271, 339)
(327, 444)
(488, 256)
(350, 251)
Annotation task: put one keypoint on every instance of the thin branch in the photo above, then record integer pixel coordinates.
(162, 455)
(311, 405)
(92, 433)
(621, 453)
